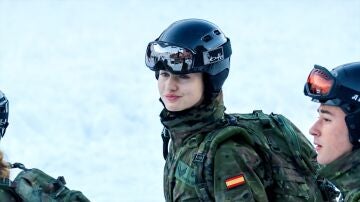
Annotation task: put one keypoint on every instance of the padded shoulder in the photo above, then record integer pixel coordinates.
(7, 192)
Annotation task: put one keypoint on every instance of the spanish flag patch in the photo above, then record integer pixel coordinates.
(235, 181)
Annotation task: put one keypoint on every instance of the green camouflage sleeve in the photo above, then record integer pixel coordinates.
(353, 196)
(6, 196)
(73, 196)
(238, 173)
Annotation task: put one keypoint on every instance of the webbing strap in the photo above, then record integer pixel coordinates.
(202, 192)
(19, 165)
(166, 138)
(198, 162)
(293, 136)
(293, 142)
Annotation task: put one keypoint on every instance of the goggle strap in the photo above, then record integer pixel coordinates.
(349, 95)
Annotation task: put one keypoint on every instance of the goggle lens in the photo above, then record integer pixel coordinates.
(322, 86)
(172, 57)
(320, 82)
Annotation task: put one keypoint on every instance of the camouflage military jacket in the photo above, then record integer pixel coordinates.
(239, 171)
(30, 186)
(187, 131)
(344, 173)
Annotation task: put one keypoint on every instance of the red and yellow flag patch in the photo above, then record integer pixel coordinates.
(235, 181)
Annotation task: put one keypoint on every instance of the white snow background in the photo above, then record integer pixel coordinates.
(83, 104)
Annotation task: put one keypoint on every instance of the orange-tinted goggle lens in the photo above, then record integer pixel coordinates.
(320, 82)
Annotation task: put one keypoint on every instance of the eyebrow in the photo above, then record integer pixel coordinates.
(323, 111)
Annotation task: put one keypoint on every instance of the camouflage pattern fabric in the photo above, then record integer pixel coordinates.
(240, 171)
(33, 185)
(7, 196)
(344, 173)
(7, 192)
(187, 130)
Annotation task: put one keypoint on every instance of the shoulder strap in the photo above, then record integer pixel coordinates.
(293, 140)
(166, 138)
(251, 123)
(259, 126)
(203, 159)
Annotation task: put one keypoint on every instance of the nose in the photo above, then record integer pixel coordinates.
(171, 83)
(314, 130)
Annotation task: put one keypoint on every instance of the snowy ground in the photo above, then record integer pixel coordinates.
(83, 104)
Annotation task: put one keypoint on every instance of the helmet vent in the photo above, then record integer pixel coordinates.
(217, 32)
(206, 38)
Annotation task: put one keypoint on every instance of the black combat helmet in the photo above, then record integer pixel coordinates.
(4, 114)
(339, 87)
(190, 46)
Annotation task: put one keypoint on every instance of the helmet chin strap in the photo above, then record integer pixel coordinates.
(353, 124)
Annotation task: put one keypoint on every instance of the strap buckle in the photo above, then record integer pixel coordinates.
(199, 158)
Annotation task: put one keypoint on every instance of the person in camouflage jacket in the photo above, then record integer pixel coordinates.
(337, 130)
(191, 61)
(30, 185)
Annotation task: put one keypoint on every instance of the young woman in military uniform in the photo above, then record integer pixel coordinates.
(191, 61)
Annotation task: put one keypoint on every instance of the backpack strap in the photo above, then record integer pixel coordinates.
(198, 162)
(18, 165)
(294, 143)
(203, 159)
(165, 135)
(261, 143)
(201, 186)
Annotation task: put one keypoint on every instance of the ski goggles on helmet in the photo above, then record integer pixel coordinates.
(178, 60)
(322, 86)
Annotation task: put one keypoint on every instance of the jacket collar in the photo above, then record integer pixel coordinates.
(202, 118)
(344, 172)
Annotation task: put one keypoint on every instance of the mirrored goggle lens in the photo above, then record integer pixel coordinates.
(171, 57)
(320, 82)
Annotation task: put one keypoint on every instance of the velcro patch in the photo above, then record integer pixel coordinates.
(235, 181)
